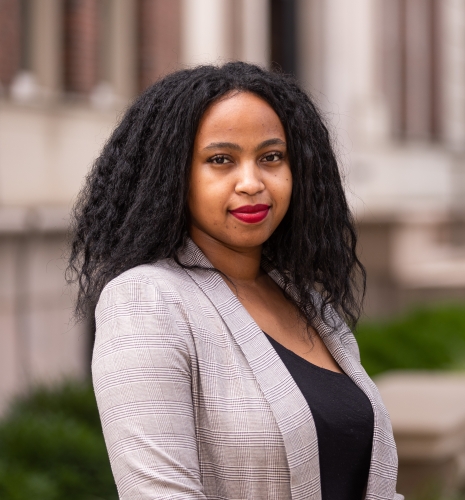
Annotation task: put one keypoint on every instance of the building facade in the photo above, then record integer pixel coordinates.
(389, 76)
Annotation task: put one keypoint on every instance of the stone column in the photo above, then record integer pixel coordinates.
(419, 68)
(215, 31)
(206, 32)
(338, 54)
(81, 46)
(123, 47)
(255, 32)
(310, 50)
(10, 40)
(392, 29)
(452, 50)
(159, 38)
(46, 45)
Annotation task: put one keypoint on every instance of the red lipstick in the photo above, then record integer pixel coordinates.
(251, 213)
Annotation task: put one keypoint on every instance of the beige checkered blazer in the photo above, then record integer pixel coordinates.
(196, 404)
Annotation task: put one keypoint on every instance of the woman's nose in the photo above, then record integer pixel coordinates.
(249, 179)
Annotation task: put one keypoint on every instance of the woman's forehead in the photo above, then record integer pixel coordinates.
(241, 114)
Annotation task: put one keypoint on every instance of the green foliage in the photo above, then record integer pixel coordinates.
(428, 338)
(52, 448)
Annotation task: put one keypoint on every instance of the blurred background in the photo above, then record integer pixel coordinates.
(389, 76)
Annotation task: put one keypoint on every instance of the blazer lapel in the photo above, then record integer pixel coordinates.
(287, 403)
(383, 467)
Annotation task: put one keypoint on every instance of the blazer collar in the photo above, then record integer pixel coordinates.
(332, 337)
(285, 399)
(287, 403)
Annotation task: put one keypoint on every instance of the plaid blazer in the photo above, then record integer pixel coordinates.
(196, 404)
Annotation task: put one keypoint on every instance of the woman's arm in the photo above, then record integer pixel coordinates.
(142, 380)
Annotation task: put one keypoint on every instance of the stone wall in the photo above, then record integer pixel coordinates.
(39, 342)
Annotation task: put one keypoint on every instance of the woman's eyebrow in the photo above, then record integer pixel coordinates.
(231, 145)
(270, 142)
(228, 145)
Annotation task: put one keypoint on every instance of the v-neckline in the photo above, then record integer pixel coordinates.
(300, 358)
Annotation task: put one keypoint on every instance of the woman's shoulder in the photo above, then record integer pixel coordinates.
(161, 277)
(160, 273)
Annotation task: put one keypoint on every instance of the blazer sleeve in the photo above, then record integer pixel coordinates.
(142, 380)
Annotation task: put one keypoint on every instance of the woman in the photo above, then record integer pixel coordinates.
(214, 232)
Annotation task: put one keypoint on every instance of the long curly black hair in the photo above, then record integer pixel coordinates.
(133, 207)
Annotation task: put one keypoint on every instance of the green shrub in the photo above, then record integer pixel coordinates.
(428, 338)
(52, 448)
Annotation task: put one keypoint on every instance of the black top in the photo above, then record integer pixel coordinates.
(344, 424)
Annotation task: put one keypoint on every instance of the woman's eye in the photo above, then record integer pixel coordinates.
(273, 157)
(219, 160)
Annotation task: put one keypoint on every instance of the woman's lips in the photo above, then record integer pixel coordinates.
(251, 213)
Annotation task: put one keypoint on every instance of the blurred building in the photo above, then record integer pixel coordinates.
(388, 74)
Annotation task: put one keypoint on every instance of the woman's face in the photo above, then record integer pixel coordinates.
(241, 181)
